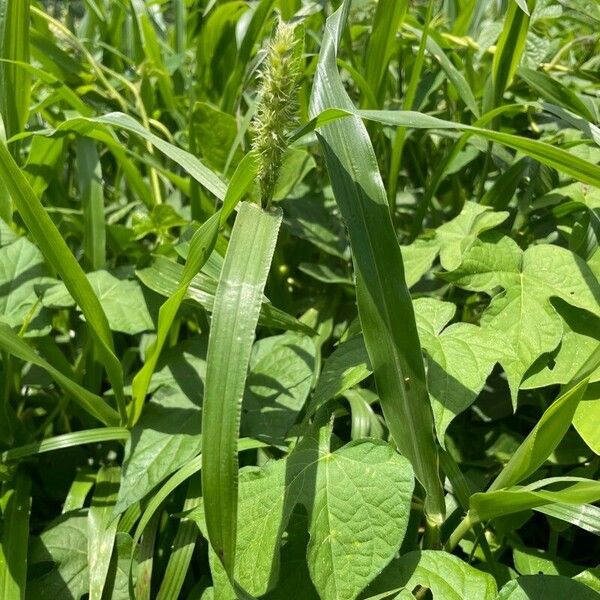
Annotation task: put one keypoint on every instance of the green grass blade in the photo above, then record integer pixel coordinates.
(542, 440)
(182, 547)
(67, 440)
(16, 507)
(94, 405)
(543, 152)
(120, 121)
(237, 306)
(57, 253)
(256, 25)
(91, 191)
(554, 91)
(509, 48)
(388, 17)
(102, 528)
(384, 303)
(492, 504)
(175, 481)
(201, 246)
(14, 81)
(82, 483)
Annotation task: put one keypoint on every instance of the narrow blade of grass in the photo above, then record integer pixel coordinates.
(94, 405)
(58, 254)
(92, 199)
(384, 303)
(102, 528)
(542, 440)
(388, 17)
(201, 246)
(509, 48)
(66, 440)
(14, 81)
(182, 547)
(16, 507)
(237, 306)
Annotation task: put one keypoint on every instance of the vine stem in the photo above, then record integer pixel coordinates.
(459, 533)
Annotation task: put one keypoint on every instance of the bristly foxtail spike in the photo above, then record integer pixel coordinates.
(276, 113)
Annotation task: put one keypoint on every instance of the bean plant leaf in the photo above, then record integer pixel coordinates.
(460, 359)
(522, 315)
(122, 300)
(358, 502)
(447, 576)
(456, 236)
(64, 545)
(540, 587)
(587, 415)
(279, 381)
(165, 438)
(21, 268)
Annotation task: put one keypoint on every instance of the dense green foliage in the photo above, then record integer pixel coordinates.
(299, 299)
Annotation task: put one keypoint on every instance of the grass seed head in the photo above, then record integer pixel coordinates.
(276, 113)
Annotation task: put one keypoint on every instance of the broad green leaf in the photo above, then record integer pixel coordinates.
(418, 258)
(122, 300)
(542, 440)
(531, 561)
(235, 316)
(541, 587)
(166, 436)
(21, 268)
(460, 359)
(347, 366)
(591, 578)
(447, 576)
(355, 525)
(102, 529)
(15, 504)
(358, 515)
(587, 417)
(317, 221)
(94, 405)
(57, 253)
(215, 132)
(64, 543)
(525, 320)
(579, 341)
(384, 304)
(458, 235)
(278, 383)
